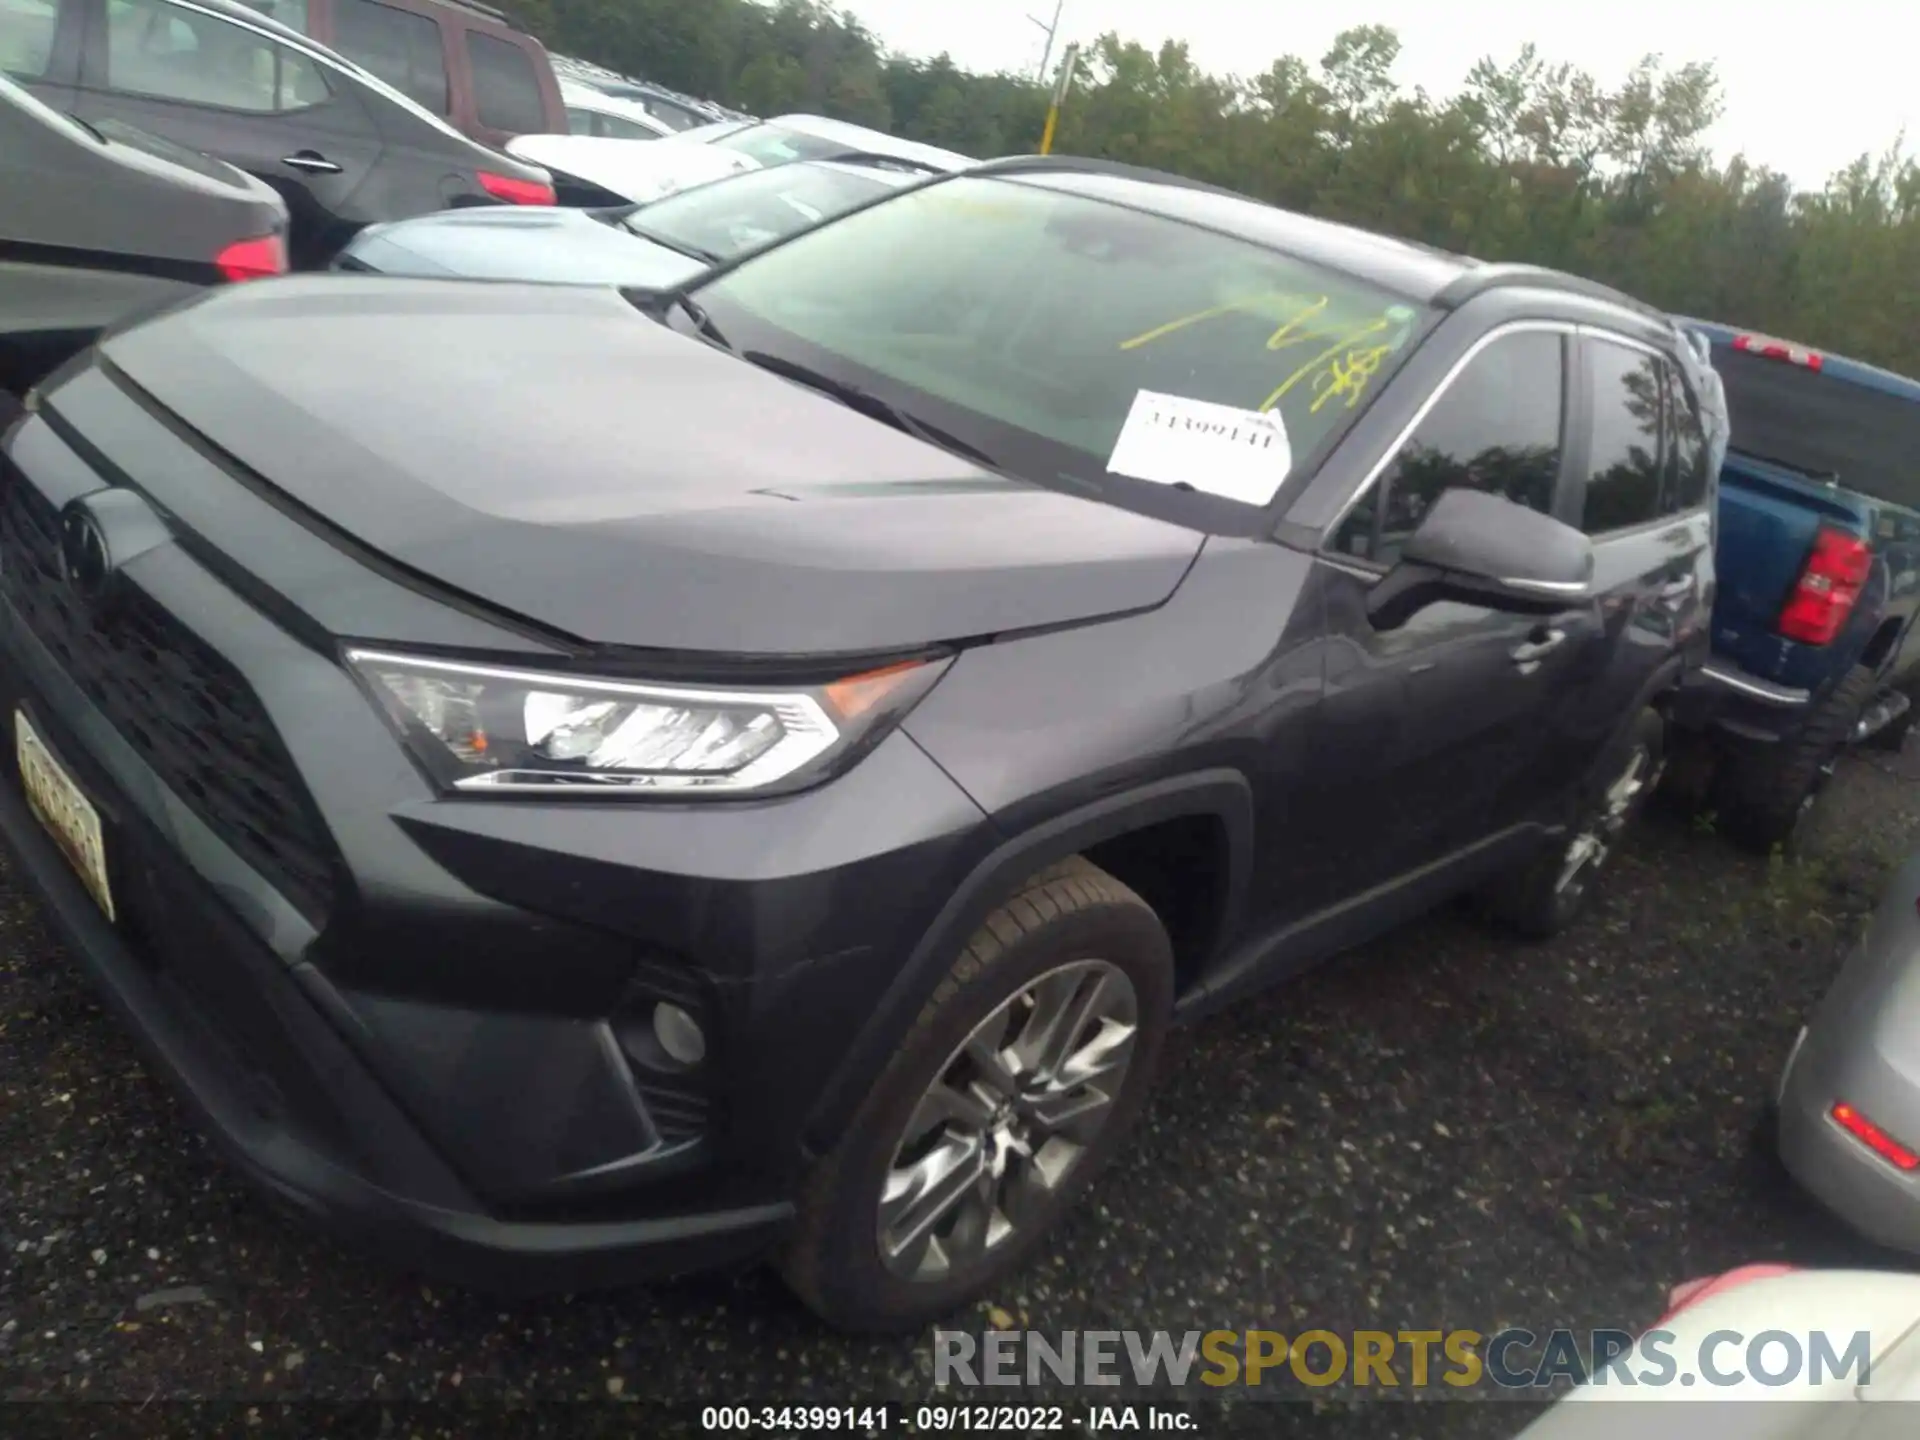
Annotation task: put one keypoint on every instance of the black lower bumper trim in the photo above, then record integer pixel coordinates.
(461, 1246)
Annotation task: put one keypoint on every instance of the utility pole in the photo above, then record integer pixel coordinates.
(1062, 83)
(1052, 30)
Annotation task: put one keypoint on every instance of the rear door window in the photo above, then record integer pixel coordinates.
(1686, 478)
(402, 48)
(26, 36)
(1624, 465)
(506, 92)
(166, 52)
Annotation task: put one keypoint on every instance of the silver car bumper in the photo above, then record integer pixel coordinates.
(1863, 1047)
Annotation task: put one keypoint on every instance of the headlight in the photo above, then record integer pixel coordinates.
(492, 729)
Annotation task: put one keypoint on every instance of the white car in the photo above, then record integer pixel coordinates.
(1744, 1342)
(590, 112)
(593, 170)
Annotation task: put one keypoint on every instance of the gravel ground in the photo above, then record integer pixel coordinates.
(1442, 1130)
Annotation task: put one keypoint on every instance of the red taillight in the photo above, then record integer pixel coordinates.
(515, 192)
(1684, 1297)
(253, 259)
(1772, 349)
(1829, 584)
(1873, 1137)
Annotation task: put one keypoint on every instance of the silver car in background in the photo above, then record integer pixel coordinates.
(1849, 1101)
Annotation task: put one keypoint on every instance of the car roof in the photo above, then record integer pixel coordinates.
(875, 142)
(1420, 272)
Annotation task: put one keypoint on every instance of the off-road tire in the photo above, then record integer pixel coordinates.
(1531, 901)
(1763, 791)
(1068, 911)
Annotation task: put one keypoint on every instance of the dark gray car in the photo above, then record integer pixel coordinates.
(98, 222)
(343, 148)
(627, 787)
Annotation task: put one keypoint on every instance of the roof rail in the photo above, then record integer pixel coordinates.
(1478, 279)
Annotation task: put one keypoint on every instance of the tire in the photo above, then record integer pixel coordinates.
(1071, 923)
(1763, 791)
(1549, 892)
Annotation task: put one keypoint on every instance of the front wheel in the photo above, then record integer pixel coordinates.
(1017, 1082)
(1545, 897)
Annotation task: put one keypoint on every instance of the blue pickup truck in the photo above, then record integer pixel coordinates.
(1818, 562)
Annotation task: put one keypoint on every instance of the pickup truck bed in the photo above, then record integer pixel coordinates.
(1817, 557)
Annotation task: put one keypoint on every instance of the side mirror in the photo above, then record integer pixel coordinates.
(1483, 549)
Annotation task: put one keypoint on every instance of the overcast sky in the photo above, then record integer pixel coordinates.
(1807, 87)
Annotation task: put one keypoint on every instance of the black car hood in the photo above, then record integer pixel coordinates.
(553, 453)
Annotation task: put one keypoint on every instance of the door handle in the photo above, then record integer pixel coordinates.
(311, 162)
(1529, 655)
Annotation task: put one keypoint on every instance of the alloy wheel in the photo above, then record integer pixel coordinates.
(1008, 1119)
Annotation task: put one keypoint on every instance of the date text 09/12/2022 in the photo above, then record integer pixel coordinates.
(877, 1420)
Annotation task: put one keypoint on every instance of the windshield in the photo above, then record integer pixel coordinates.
(1028, 322)
(1866, 439)
(732, 215)
(776, 145)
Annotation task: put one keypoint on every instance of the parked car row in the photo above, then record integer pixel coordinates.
(844, 694)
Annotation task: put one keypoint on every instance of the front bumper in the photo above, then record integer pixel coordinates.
(423, 1020)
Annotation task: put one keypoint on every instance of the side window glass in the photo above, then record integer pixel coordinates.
(26, 36)
(618, 129)
(159, 50)
(506, 93)
(291, 13)
(579, 122)
(1623, 461)
(1687, 477)
(398, 46)
(1495, 428)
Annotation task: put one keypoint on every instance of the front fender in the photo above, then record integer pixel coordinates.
(1221, 794)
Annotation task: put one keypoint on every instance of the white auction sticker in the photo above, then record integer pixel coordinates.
(1218, 449)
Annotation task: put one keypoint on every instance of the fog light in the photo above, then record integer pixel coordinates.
(679, 1034)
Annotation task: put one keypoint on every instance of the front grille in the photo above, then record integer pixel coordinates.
(188, 712)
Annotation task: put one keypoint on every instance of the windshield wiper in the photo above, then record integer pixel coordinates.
(702, 321)
(869, 404)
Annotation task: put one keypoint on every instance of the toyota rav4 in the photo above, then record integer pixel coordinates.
(574, 786)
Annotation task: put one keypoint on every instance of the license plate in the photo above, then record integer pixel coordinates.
(67, 813)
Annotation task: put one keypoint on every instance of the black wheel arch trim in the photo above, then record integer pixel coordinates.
(1222, 794)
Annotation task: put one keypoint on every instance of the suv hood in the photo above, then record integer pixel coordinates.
(537, 243)
(551, 452)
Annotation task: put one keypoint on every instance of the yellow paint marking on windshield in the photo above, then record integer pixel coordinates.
(1341, 371)
(1348, 378)
(1250, 305)
(1347, 343)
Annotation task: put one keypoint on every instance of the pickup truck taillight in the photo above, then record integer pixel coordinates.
(1829, 585)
